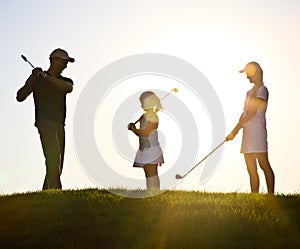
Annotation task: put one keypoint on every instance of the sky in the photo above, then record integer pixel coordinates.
(217, 37)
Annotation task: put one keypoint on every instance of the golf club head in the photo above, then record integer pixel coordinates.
(178, 176)
(24, 58)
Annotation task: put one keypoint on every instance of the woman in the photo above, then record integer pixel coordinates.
(253, 121)
(149, 155)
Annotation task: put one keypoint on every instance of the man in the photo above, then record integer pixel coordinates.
(253, 121)
(49, 93)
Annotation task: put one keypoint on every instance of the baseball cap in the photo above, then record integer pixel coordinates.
(251, 68)
(60, 53)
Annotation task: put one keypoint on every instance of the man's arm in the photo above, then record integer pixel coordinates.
(26, 90)
(61, 84)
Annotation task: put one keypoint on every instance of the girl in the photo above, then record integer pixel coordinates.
(149, 155)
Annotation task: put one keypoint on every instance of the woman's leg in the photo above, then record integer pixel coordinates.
(264, 163)
(152, 179)
(250, 160)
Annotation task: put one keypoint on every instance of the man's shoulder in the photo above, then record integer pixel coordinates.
(66, 79)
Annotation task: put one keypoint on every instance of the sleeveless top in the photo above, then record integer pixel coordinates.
(152, 139)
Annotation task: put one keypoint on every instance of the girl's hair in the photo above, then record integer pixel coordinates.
(150, 101)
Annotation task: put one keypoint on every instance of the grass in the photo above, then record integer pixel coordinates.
(95, 218)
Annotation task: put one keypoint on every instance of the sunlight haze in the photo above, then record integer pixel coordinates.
(217, 37)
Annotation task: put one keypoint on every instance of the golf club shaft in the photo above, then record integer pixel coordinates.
(204, 158)
(174, 89)
(30, 64)
(166, 95)
(43, 74)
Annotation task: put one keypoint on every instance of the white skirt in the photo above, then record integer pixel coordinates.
(152, 155)
(254, 138)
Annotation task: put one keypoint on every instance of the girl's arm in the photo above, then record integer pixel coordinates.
(143, 132)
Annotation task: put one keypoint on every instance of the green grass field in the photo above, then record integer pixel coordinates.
(95, 218)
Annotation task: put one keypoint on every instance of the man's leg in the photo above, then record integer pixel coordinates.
(51, 148)
(264, 163)
(61, 138)
(250, 160)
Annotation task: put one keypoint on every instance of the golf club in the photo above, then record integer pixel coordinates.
(180, 177)
(175, 90)
(26, 60)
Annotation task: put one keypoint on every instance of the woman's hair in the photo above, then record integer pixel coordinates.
(150, 101)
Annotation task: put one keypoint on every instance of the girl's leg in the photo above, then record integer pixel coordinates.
(152, 179)
(250, 160)
(264, 163)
